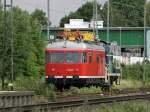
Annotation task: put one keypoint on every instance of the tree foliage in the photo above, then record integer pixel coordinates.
(85, 12)
(40, 16)
(125, 13)
(148, 14)
(136, 71)
(0, 5)
(28, 44)
(131, 12)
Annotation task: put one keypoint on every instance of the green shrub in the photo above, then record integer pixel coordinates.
(35, 84)
(84, 90)
(136, 71)
(92, 89)
(74, 90)
(134, 84)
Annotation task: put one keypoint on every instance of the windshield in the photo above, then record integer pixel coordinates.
(66, 57)
(72, 57)
(57, 57)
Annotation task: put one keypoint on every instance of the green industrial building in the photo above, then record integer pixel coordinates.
(130, 39)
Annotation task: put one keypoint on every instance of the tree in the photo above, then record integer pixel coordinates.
(28, 45)
(5, 48)
(0, 5)
(1, 45)
(125, 13)
(40, 16)
(129, 13)
(1, 18)
(85, 12)
(148, 14)
(39, 45)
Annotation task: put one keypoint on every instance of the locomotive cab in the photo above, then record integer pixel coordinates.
(77, 64)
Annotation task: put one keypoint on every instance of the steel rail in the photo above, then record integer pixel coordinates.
(66, 104)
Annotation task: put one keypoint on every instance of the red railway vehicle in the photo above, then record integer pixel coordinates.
(71, 63)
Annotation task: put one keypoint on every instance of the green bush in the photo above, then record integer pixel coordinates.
(134, 84)
(92, 89)
(83, 90)
(35, 84)
(136, 71)
(74, 90)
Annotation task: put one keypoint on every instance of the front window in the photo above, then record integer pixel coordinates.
(72, 57)
(66, 57)
(57, 57)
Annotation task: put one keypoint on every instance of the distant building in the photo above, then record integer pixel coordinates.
(148, 43)
(99, 24)
(77, 23)
(80, 23)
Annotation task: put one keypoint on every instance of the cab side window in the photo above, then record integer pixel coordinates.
(101, 60)
(90, 57)
(84, 57)
(97, 59)
(48, 57)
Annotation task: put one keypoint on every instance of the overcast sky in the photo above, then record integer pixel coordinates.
(59, 8)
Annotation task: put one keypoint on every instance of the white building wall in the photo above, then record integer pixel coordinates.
(129, 60)
(83, 25)
(148, 43)
(79, 23)
(99, 24)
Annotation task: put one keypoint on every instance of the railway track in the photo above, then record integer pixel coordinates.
(113, 92)
(46, 107)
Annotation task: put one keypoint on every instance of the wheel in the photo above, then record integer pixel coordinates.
(106, 87)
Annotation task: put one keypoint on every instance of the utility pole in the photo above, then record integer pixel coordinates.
(48, 21)
(144, 42)
(12, 47)
(109, 53)
(95, 17)
(8, 40)
(120, 36)
(108, 21)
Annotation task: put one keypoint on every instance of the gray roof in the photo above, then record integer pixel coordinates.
(74, 45)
